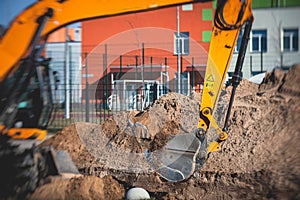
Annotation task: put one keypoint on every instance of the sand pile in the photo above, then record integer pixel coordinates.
(259, 160)
(262, 153)
(88, 187)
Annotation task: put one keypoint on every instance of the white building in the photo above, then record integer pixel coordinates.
(274, 41)
(65, 55)
(62, 58)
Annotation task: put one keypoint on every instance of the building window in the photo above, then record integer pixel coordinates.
(182, 43)
(187, 7)
(259, 41)
(238, 42)
(290, 39)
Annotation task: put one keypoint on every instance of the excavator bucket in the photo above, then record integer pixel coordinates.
(178, 157)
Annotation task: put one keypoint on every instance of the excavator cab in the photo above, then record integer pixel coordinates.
(35, 109)
(30, 116)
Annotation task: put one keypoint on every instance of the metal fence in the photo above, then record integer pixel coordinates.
(103, 100)
(113, 77)
(90, 87)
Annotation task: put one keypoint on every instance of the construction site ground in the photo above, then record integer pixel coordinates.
(259, 160)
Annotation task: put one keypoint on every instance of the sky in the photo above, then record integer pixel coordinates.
(9, 9)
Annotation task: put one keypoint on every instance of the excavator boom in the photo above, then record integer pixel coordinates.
(59, 13)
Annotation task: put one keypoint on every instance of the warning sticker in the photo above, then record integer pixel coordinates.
(209, 81)
(210, 78)
(209, 85)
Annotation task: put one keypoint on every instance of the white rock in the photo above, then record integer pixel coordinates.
(137, 193)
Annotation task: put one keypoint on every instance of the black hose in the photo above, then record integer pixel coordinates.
(220, 21)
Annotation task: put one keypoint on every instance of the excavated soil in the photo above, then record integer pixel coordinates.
(259, 160)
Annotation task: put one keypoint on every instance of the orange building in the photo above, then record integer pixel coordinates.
(142, 45)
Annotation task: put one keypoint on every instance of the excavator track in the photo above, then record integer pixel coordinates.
(21, 169)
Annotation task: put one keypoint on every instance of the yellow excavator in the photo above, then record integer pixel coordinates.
(26, 103)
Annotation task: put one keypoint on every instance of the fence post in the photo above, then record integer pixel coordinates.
(120, 74)
(87, 109)
(151, 67)
(166, 63)
(143, 62)
(67, 77)
(106, 81)
(251, 69)
(261, 61)
(136, 67)
(193, 75)
(143, 73)
(71, 77)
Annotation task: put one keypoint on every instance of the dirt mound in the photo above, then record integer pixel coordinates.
(69, 140)
(261, 150)
(86, 187)
(167, 116)
(284, 83)
(259, 160)
(291, 84)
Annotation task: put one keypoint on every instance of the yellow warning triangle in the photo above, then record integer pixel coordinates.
(210, 78)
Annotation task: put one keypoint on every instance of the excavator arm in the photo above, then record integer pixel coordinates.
(186, 152)
(229, 19)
